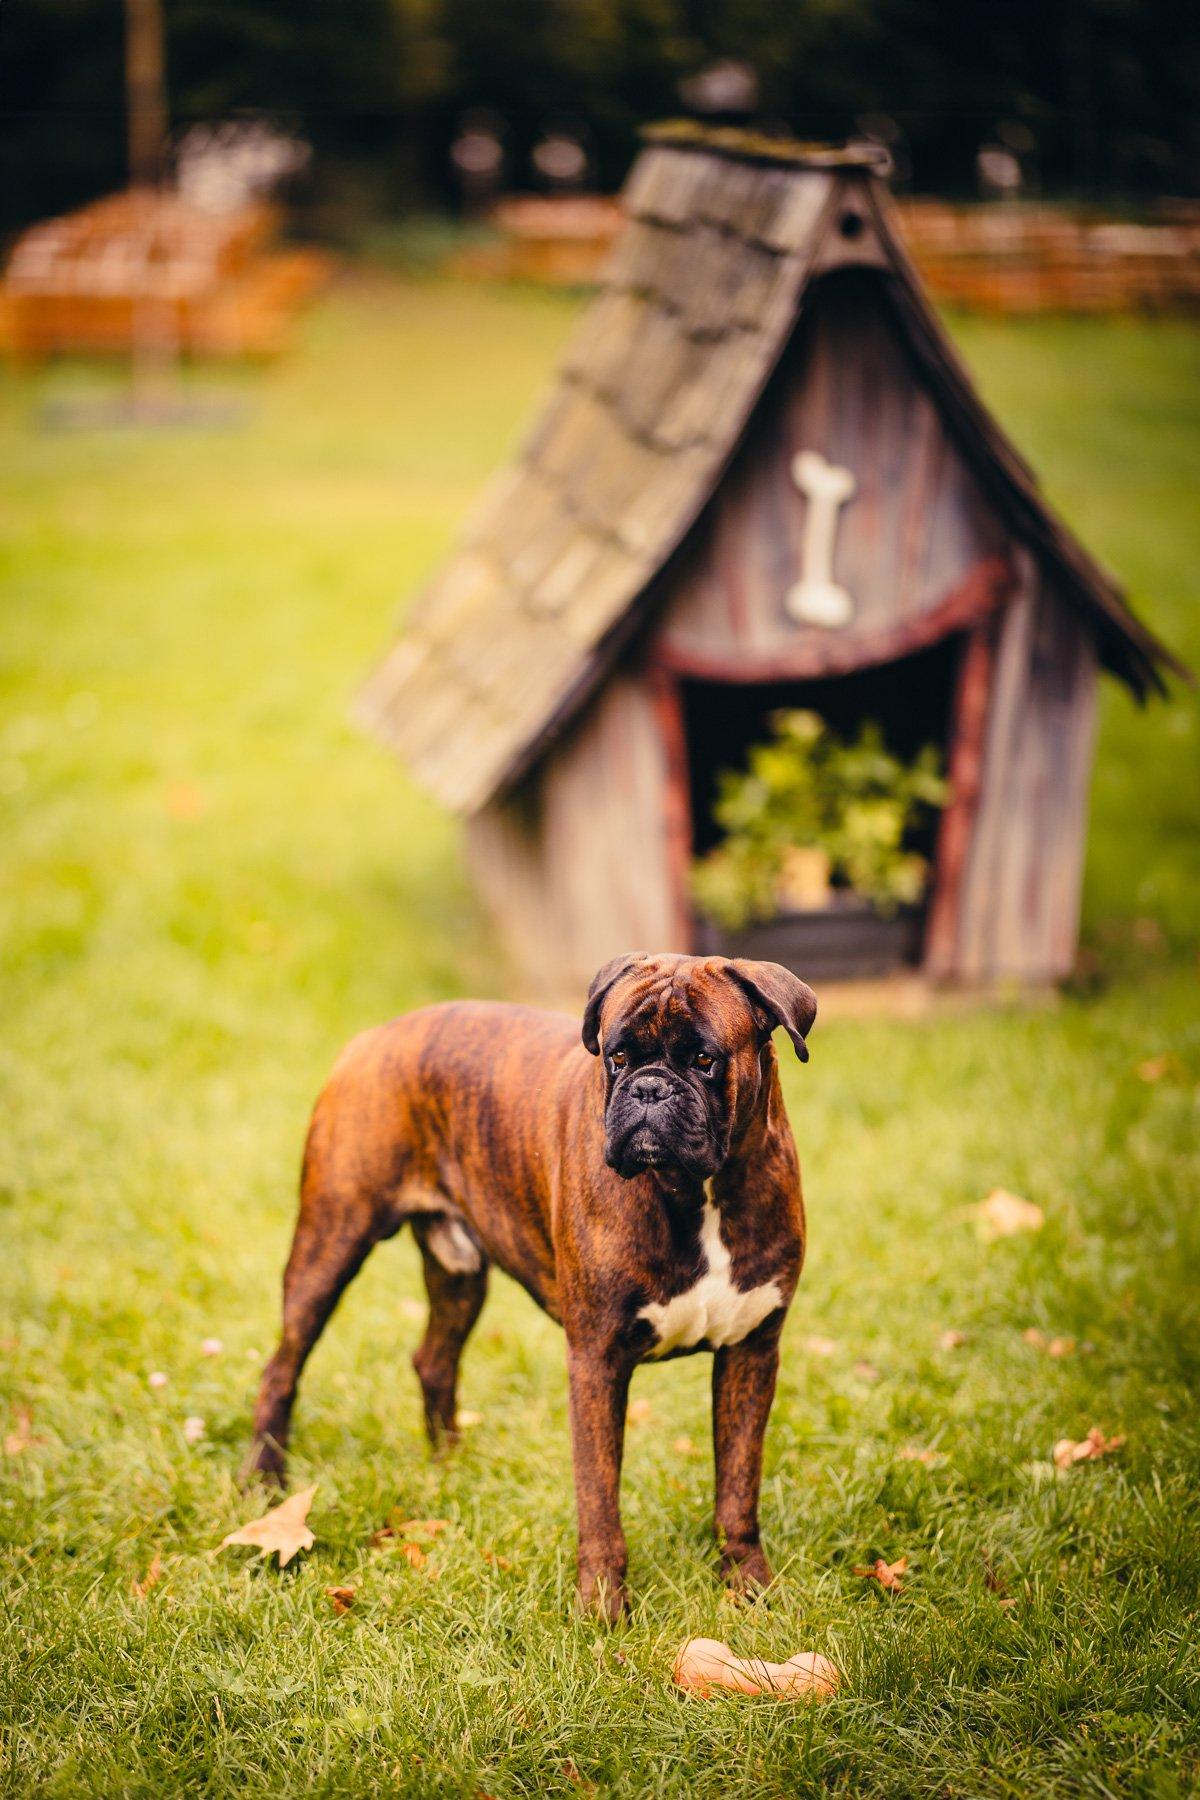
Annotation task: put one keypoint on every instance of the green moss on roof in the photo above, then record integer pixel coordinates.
(756, 146)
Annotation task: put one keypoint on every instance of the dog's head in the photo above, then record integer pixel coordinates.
(682, 1040)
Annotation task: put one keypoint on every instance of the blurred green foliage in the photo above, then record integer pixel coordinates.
(804, 787)
(1106, 89)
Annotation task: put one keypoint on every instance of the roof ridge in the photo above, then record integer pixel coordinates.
(741, 145)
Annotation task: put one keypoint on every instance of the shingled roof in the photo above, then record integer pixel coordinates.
(697, 303)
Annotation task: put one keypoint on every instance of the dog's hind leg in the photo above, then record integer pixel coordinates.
(337, 1228)
(456, 1273)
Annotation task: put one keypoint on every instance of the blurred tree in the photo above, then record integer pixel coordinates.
(1105, 89)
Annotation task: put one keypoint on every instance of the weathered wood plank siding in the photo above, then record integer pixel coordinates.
(915, 528)
(1019, 911)
(577, 865)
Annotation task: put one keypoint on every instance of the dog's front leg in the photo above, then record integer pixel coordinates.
(599, 1392)
(743, 1388)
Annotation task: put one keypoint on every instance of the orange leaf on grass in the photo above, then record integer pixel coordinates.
(639, 1411)
(21, 1435)
(930, 1459)
(1068, 1451)
(683, 1446)
(150, 1579)
(282, 1529)
(413, 1555)
(1004, 1215)
(1055, 1346)
(953, 1339)
(341, 1598)
(184, 800)
(885, 1573)
(428, 1528)
(818, 1345)
(1155, 1067)
(496, 1562)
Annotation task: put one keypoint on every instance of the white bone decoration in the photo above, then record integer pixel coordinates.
(816, 599)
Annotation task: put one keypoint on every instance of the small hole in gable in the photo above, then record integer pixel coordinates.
(851, 225)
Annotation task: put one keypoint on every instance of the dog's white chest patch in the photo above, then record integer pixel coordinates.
(712, 1311)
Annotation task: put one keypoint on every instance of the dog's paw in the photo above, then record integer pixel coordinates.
(748, 1575)
(265, 1461)
(603, 1596)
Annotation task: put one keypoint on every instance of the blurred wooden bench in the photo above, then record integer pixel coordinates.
(140, 267)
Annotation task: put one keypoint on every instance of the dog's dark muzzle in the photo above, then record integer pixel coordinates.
(656, 1121)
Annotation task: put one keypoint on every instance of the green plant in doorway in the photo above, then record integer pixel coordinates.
(804, 790)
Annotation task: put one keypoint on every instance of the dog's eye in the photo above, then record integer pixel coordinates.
(705, 1062)
(618, 1059)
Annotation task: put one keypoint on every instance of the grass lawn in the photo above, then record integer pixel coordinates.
(209, 882)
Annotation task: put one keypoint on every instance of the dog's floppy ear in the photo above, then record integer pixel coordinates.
(782, 996)
(602, 980)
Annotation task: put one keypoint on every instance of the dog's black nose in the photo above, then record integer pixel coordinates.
(649, 1089)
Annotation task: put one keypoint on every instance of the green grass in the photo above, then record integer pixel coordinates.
(210, 882)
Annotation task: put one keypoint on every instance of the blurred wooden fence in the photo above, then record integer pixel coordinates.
(1002, 258)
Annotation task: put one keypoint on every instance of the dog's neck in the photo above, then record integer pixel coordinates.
(678, 1190)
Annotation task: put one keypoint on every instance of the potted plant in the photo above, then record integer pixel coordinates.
(816, 856)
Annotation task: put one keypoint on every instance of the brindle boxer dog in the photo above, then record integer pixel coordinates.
(642, 1185)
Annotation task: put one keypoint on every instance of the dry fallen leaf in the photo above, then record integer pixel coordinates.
(1156, 1067)
(150, 1579)
(184, 800)
(429, 1528)
(885, 1573)
(1067, 1451)
(683, 1446)
(929, 1458)
(639, 1411)
(496, 1562)
(412, 1309)
(952, 1339)
(157, 1379)
(211, 1346)
(1055, 1346)
(866, 1371)
(21, 1435)
(465, 1418)
(193, 1429)
(282, 1529)
(341, 1598)
(413, 1555)
(816, 1345)
(704, 1664)
(1004, 1215)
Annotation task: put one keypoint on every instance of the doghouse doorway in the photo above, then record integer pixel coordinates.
(912, 700)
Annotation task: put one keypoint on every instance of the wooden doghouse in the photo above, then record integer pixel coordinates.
(763, 478)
